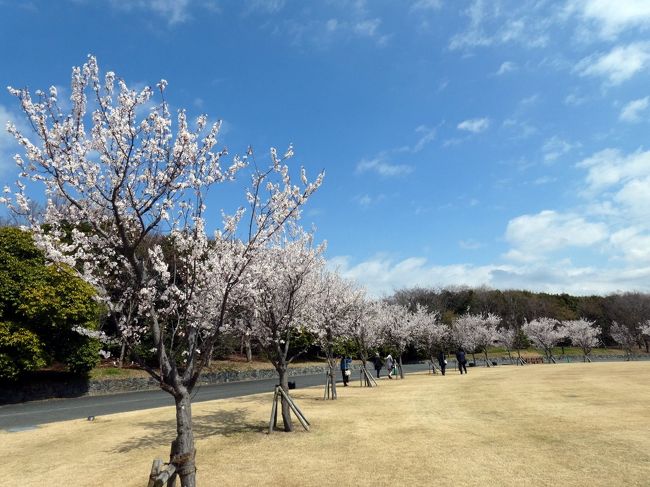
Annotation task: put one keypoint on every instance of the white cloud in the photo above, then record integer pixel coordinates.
(264, 7)
(175, 11)
(634, 244)
(618, 65)
(522, 128)
(534, 236)
(544, 180)
(610, 167)
(383, 168)
(613, 16)
(632, 111)
(426, 5)
(635, 196)
(366, 200)
(474, 125)
(382, 275)
(427, 134)
(506, 67)
(470, 244)
(367, 28)
(555, 147)
(324, 33)
(490, 24)
(574, 99)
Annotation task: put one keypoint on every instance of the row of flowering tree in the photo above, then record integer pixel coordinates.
(125, 183)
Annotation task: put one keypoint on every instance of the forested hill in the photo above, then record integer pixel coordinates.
(515, 306)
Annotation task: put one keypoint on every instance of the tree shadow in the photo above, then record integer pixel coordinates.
(224, 423)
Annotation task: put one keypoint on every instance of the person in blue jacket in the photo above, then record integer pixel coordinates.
(462, 361)
(442, 361)
(346, 369)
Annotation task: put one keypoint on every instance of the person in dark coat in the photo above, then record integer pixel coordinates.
(442, 361)
(378, 363)
(346, 369)
(462, 361)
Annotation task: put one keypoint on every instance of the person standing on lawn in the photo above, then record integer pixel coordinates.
(462, 361)
(346, 369)
(442, 361)
(377, 363)
(389, 365)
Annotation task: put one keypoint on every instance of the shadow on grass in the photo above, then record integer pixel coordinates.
(224, 423)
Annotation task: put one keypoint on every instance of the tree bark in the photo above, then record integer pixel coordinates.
(249, 350)
(182, 451)
(401, 371)
(122, 354)
(286, 410)
(332, 374)
(329, 350)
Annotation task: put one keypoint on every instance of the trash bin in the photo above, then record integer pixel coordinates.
(292, 385)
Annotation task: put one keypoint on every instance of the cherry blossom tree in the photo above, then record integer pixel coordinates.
(286, 286)
(397, 330)
(431, 335)
(464, 332)
(486, 334)
(475, 333)
(511, 339)
(584, 334)
(544, 333)
(645, 332)
(332, 311)
(625, 337)
(366, 327)
(130, 181)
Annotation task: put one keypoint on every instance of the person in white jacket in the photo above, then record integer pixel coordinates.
(389, 365)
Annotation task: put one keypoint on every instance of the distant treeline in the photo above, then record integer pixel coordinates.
(514, 307)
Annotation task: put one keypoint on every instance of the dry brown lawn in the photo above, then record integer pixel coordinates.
(566, 424)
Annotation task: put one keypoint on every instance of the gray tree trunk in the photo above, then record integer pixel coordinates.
(122, 354)
(329, 350)
(332, 374)
(249, 350)
(401, 371)
(286, 409)
(182, 451)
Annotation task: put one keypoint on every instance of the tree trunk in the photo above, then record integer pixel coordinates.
(286, 410)
(329, 350)
(332, 373)
(122, 354)
(182, 451)
(401, 371)
(487, 360)
(249, 350)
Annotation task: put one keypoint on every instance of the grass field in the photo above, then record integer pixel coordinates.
(567, 424)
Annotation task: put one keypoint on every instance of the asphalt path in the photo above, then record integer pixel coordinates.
(28, 415)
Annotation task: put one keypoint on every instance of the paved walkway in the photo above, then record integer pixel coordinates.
(17, 417)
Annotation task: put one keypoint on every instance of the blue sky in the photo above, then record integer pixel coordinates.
(498, 143)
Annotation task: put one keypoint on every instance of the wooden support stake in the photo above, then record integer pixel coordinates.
(155, 470)
(369, 379)
(301, 417)
(326, 392)
(166, 475)
(294, 405)
(274, 412)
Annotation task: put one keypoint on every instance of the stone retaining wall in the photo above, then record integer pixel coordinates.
(68, 386)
